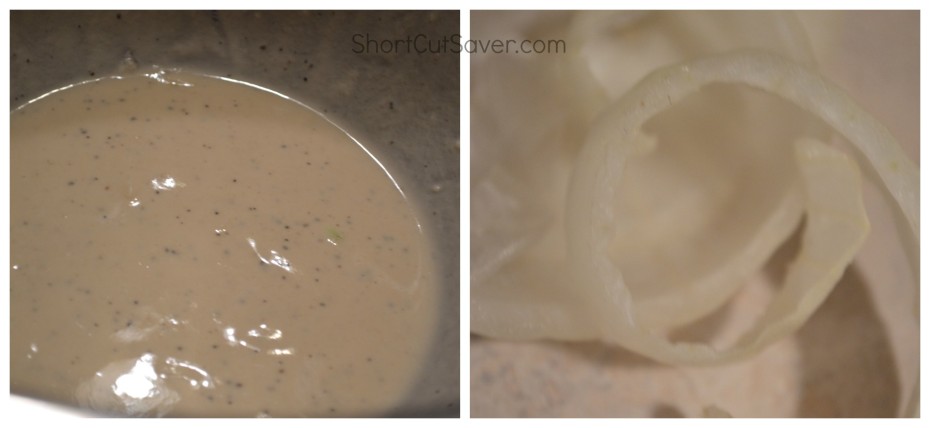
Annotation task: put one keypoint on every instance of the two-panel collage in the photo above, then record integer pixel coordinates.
(464, 214)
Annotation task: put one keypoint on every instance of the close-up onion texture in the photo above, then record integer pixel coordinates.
(670, 216)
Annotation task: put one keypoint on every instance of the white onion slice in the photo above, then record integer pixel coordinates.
(617, 135)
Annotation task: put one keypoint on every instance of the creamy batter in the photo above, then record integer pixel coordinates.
(187, 246)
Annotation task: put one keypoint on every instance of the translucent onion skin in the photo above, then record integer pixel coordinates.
(592, 300)
(791, 81)
(836, 227)
(617, 135)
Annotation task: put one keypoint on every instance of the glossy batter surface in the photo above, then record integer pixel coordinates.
(183, 245)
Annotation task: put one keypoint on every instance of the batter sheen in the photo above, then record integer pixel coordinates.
(183, 245)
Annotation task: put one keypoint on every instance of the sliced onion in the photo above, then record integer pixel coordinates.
(836, 223)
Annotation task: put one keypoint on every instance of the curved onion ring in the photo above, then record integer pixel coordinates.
(600, 164)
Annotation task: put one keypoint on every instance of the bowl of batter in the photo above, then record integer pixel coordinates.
(234, 214)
